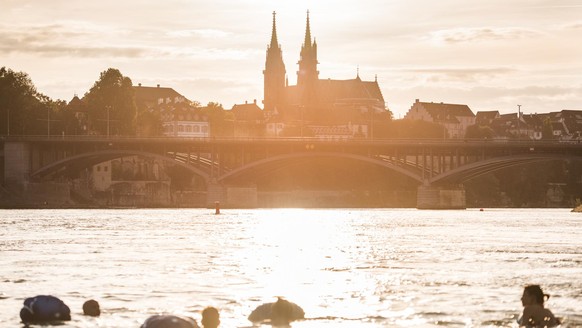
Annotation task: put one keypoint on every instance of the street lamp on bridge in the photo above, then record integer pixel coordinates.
(518, 119)
(108, 108)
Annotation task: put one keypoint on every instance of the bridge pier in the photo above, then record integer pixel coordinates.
(17, 166)
(437, 198)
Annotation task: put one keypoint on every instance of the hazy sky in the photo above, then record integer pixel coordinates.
(488, 54)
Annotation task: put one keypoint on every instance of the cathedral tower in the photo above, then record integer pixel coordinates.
(308, 74)
(274, 73)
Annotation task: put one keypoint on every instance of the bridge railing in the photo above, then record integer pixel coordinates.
(375, 141)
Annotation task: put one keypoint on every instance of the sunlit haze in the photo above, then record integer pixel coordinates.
(490, 55)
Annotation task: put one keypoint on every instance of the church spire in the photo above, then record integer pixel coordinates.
(274, 73)
(307, 42)
(274, 41)
(308, 73)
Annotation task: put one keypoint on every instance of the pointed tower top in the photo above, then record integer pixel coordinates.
(274, 41)
(307, 42)
(358, 72)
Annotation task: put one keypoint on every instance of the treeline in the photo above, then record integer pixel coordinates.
(109, 108)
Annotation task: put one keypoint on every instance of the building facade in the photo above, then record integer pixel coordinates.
(178, 116)
(453, 117)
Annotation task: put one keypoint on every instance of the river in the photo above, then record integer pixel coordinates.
(345, 267)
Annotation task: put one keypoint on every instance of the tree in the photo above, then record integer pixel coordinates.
(218, 118)
(21, 105)
(406, 129)
(150, 124)
(111, 104)
(479, 132)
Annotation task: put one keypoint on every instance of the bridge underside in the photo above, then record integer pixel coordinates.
(262, 168)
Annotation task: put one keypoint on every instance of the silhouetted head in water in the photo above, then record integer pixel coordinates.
(533, 294)
(91, 308)
(281, 312)
(534, 314)
(169, 321)
(210, 317)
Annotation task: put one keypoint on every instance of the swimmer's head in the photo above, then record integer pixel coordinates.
(91, 307)
(210, 317)
(533, 294)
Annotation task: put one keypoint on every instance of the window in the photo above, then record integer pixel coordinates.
(188, 128)
(196, 128)
(204, 129)
(98, 168)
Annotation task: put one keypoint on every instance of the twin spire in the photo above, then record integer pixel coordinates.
(307, 73)
(275, 42)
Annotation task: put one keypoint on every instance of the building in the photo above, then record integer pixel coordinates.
(486, 118)
(248, 120)
(178, 115)
(571, 123)
(314, 101)
(455, 118)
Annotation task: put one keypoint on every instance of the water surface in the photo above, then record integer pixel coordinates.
(346, 268)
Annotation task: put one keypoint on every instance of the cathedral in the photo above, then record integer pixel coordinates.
(314, 101)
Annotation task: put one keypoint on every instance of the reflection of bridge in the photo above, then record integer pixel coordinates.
(438, 166)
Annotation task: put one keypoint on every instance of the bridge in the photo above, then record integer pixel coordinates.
(438, 167)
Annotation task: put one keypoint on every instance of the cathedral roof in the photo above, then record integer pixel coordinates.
(332, 91)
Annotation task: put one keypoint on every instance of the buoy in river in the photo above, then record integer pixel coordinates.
(217, 207)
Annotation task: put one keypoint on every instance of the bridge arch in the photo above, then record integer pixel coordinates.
(293, 158)
(92, 158)
(476, 169)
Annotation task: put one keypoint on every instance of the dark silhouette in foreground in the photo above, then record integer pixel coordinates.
(169, 321)
(534, 313)
(44, 309)
(280, 313)
(210, 317)
(91, 308)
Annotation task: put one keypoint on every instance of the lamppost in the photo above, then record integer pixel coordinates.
(108, 108)
(518, 119)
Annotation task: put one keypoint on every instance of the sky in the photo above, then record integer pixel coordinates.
(488, 54)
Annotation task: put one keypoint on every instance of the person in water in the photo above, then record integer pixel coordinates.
(91, 308)
(210, 317)
(169, 321)
(280, 313)
(44, 309)
(534, 313)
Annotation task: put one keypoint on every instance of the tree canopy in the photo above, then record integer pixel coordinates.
(21, 105)
(111, 104)
(407, 129)
(479, 132)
